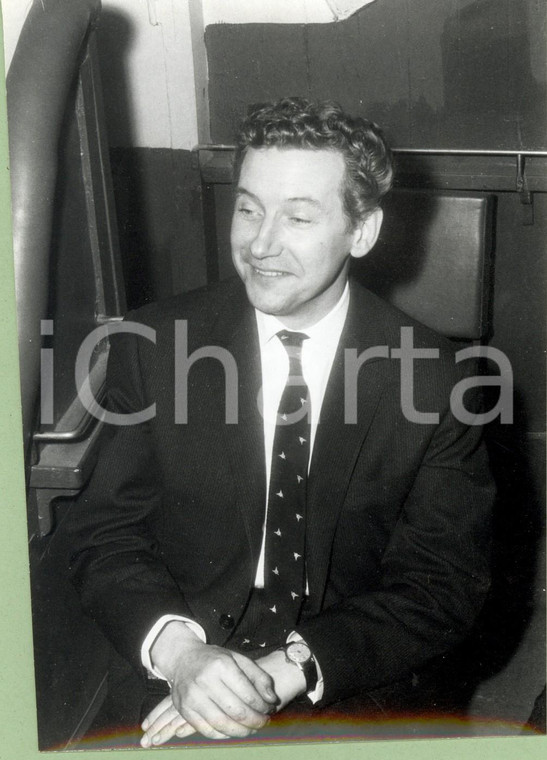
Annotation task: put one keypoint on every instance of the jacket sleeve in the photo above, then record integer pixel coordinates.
(123, 584)
(433, 577)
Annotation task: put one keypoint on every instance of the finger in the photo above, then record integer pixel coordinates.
(169, 730)
(253, 685)
(210, 721)
(156, 712)
(235, 708)
(260, 679)
(225, 686)
(165, 725)
(184, 731)
(202, 726)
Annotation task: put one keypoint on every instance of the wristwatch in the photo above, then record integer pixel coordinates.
(298, 653)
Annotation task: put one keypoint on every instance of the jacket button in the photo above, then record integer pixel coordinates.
(226, 622)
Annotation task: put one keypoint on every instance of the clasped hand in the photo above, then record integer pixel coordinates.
(215, 692)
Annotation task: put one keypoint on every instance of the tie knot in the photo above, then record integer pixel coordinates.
(292, 339)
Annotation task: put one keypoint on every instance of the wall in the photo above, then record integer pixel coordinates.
(473, 76)
(153, 67)
(148, 73)
(153, 56)
(154, 73)
(154, 61)
(148, 69)
(277, 12)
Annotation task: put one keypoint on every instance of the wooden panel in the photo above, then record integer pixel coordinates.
(432, 73)
(252, 63)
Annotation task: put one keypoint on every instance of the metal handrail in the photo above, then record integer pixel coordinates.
(79, 418)
(416, 151)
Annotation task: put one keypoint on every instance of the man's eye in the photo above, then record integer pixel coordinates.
(300, 220)
(248, 213)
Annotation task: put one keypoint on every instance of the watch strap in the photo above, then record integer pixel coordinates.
(309, 669)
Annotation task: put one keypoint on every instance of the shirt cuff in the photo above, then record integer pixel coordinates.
(317, 694)
(153, 634)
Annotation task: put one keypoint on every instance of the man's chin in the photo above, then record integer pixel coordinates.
(267, 298)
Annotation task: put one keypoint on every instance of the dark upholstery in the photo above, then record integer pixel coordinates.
(433, 259)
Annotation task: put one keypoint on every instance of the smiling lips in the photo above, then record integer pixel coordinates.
(270, 272)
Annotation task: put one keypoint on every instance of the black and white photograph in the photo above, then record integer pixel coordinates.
(280, 298)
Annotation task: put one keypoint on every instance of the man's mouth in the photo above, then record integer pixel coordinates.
(269, 272)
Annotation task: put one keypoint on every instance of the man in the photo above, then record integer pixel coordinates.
(179, 538)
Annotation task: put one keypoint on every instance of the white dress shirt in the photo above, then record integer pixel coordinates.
(317, 358)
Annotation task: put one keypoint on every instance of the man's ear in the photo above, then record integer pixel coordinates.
(366, 233)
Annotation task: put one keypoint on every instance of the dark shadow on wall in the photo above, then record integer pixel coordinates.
(115, 36)
(158, 203)
(156, 190)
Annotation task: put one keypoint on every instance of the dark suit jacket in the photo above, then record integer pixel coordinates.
(398, 512)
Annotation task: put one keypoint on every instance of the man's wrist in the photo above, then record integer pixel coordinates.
(153, 634)
(299, 655)
(174, 640)
(289, 681)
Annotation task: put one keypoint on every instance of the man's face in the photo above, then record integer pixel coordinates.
(290, 238)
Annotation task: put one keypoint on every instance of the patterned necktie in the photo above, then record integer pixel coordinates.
(285, 570)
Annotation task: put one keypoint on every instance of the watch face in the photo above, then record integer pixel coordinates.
(298, 651)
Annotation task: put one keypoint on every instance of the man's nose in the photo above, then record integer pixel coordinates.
(264, 242)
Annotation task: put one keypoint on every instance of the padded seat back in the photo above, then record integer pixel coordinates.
(433, 260)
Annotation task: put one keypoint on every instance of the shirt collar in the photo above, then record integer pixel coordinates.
(333, 322)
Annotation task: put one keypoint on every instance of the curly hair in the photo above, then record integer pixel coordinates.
(323, 125)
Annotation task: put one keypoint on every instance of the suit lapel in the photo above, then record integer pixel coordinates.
(337, 444)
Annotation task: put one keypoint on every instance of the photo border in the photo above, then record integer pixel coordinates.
(17, 696)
